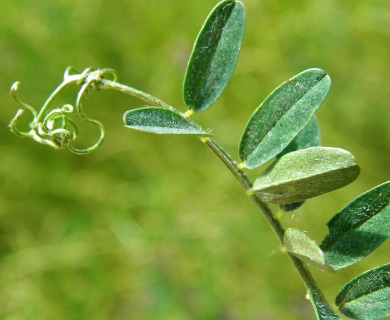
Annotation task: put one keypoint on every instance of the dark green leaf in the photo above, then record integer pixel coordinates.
(300, 245)
(306, 173)
(321, 307)
(214, 55)
(367, 297)
(282, 115)
(161, 121)
(359, 228)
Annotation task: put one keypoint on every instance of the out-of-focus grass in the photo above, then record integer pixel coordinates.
(152, 227)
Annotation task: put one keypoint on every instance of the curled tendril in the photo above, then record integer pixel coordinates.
(55, 127)
(61, 134)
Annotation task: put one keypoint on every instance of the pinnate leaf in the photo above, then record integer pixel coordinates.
(300, 245)
(359, 228)
(161, 121)
(214, 55)
(306, 173)
(367, 297)
(282, 115)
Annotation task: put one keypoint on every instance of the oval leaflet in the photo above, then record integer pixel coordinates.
(281, 116)
(214, 55)
(359, 228)
(161, 121)
(300, 245)
(306, 173)
(367, 296)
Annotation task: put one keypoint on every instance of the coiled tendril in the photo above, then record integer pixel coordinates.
(55, 127)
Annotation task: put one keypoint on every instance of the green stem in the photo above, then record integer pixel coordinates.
(108, 84)
(229, 162)
(275, 224)
(246, 184)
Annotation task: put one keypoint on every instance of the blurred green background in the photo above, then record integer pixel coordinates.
(154, 227)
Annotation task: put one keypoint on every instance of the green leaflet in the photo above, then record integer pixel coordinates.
(161, 121)
(367, 297)
(306, 173)
(308, 137)
(321, 308)
(214, 55)
(281, 116)
(301, 246)
(359, 228)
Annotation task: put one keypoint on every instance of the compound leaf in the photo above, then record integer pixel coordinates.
(300, 245)
(161, 121)
(282, 115)
(306, 173)
(214, 55)
(367, 296)
(359, 228)
(321, 307)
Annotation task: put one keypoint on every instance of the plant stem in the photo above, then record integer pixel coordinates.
(229, 162)
(108, 84)
(275, 224)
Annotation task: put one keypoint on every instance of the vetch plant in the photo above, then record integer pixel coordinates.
(283, 128)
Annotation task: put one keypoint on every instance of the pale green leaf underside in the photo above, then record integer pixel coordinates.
(300, 245)
(359, 228)
(282, 115)
(308, 137)
(306, 173)
(321, 308)
(367, 297)
(161, 121)
(214, 55)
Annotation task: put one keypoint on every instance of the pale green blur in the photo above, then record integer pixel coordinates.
(151, 227)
